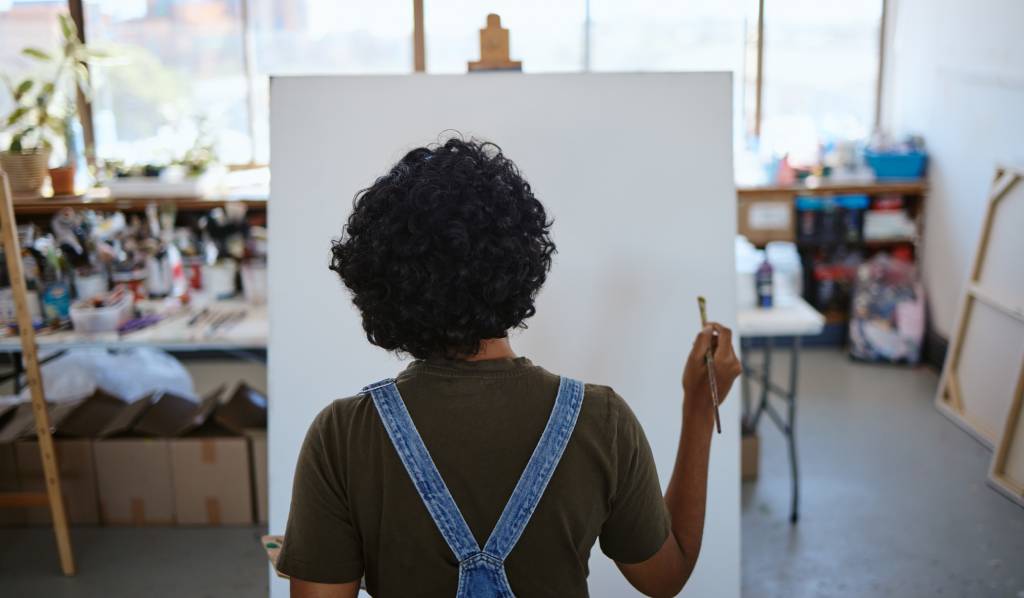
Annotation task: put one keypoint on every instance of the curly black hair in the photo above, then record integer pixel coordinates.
(447, 249)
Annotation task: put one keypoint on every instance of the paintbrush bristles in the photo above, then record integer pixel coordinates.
(703, 311)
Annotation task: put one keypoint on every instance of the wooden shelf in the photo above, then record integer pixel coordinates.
(868, 243)
(101, 201)
(915, 187)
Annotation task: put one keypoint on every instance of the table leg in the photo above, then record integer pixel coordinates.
(18, 370)
(794, 514)
(786, 424)
(766, 386)
(745, 386)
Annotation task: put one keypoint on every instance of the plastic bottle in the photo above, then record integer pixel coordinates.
(763, 284)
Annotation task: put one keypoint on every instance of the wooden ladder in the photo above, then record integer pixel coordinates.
(52, 496)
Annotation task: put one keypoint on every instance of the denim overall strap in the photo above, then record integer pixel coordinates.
(538, 471)
(420, 466)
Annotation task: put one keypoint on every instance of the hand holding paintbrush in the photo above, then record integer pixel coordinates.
(709, 361)
(711, 368)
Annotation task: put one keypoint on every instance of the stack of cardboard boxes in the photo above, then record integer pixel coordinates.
(161, 460)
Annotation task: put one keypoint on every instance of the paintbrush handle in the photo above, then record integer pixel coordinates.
(709, 361)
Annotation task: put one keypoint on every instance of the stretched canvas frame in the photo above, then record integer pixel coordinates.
(1007, 472)
(950, 396)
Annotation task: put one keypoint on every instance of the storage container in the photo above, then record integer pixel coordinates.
(764, 218)
(851, 218)
(896, 165)
(92, 320)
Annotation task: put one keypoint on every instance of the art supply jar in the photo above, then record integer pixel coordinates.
(254, 281)
(219, 279)
(56, 300)
(90, 283)
(134, 278)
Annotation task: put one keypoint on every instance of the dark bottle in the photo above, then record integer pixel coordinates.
(763, 284)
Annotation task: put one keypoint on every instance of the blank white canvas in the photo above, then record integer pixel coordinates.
(636, 170)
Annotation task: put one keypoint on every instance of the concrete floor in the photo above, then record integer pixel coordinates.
(136, 562)
(894, 504)
(894, 496)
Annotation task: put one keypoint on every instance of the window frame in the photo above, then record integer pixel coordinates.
(76, 9)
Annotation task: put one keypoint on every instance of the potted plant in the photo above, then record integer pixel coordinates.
(43, 108)
(62, 178)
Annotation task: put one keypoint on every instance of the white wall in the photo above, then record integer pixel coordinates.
(636, 171)
(955, 74)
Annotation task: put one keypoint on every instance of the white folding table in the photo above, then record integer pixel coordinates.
(784, 324)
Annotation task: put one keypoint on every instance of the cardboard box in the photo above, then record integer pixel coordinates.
(768, 217)
(211, 468)
(73, 425)
(133, 471)
(77, 479)
(749, 455)
(9, 483)
(19, 421)
(212, 483)
(245, 410)
(133, 477)
(258, 451)
(8, 469)
(245, 413)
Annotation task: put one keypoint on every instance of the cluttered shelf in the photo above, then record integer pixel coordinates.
(831, 240)
(163, 278)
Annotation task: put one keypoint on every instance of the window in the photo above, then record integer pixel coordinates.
(182, 68)
(820, 73)
(177, 72)
(653, 35)
(25, 24)
(303, 37)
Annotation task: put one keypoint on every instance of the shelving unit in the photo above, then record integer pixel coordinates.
(39, 210)
(100, 200)
(913, 194)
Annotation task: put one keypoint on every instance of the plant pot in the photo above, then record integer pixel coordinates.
(63, 180)
(26, 170)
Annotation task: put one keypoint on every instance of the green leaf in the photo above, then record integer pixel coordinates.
(56, 125)
(67, 27)
(17, 115)
(22, 89)
(47, 89)
(37, 54)
(96, 54)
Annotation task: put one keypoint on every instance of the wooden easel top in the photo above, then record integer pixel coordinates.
(494, 48)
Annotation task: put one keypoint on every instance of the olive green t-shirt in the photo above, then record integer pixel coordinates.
(355, 511)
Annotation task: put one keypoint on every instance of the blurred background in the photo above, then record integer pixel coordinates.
(877, 155)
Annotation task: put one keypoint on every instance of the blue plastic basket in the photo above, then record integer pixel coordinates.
(891, 165)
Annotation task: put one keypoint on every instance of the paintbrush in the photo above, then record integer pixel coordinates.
(709, 361)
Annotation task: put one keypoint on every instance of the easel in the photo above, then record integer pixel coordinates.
(494, 49)
(52, 496)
